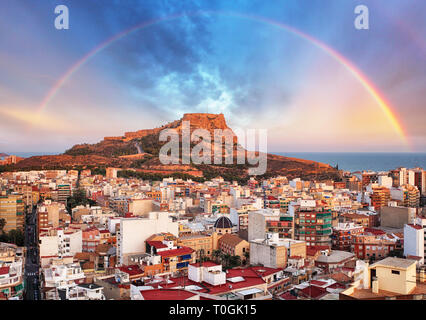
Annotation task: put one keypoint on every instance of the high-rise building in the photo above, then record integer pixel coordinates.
(420, 180)
(12, 210)
(313, 225)
(270, 220)
(411, 196)
(414, 241)
(64, 191)
(380, 197)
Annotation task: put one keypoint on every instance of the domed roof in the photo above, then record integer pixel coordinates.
(223, 222)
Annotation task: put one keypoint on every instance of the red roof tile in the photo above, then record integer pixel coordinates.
(313, 292)
(288, 296)
(175, 252)
(131, 270)
(157, 244)
(166, 294)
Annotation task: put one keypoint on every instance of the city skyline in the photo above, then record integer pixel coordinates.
(302, 72)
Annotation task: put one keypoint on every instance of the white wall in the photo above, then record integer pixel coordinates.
(134, 232)
(414, 241)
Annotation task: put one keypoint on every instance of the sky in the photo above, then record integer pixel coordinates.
(231, 57)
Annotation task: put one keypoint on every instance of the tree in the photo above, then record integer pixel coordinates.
(246, 257)
(234, 261)
(226, 257)
(216, 255)
(78, 198)
(16, 236)
(2, 224)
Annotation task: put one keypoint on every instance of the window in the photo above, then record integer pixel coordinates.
(395, 272)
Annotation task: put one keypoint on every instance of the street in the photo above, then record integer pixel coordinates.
(32, 283)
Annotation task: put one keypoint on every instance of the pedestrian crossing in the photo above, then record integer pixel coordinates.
(32, 273)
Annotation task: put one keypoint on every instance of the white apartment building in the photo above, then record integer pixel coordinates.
(414, 241)
(59, 243)
(133, 233)
(62, 278)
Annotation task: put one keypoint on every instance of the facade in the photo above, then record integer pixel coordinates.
(56, 244)
(313, 226)
(64, 191)
(371, 246)
(61, 280)
(11, 272)
(202, 243)
(396, 217)
(343, 233)
(414, 240)
(133, 233)
(393, 275)
(380, 197)
(12, 210)
(270, 221)
(270, 252)
(233, 245)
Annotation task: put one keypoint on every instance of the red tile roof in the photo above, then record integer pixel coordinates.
(175, 252)
(374, 231)
(313, 292)
(288, 296)
(131, 270)
(157, 244)
(265, 271)
(250, 280)
(318, 283)
(166, 294)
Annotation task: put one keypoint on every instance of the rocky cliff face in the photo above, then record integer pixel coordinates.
(115, 151)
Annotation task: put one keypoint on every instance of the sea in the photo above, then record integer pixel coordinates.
(348, 161)
(358, 161)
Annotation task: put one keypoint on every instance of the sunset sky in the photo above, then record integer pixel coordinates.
(264, 64)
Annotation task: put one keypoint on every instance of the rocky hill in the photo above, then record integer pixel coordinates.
(139, 151)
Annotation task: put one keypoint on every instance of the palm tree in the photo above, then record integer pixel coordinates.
(216, 254)
(235, 261)
(247, 257)
(226, 258)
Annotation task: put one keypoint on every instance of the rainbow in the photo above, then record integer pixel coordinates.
(362, 78)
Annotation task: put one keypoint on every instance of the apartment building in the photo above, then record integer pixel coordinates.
(270, 252)
(202, 243)
(11, 272)
(57, 243)
(414, 241)
(380, 197)
(133, 232)
(12, 210)
(314, 225)
(343, 233)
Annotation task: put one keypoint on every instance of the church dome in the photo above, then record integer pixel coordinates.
(223, 223)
